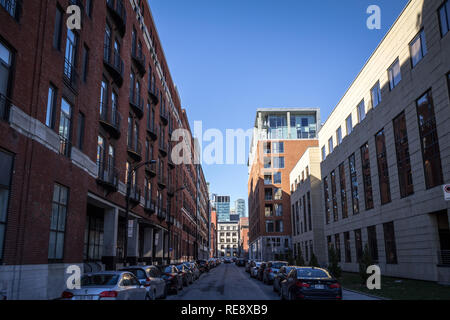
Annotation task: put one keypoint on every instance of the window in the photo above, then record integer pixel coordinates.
(354, 184)
(267, 163)
(375, 94)
(107, 43)
(268, 211)
(70, 56)
(372, 242)
(361, 111)
(418, 48)
(6, 165)
(278, 210)
(333, 195)
(58, 222)
(278, 163)
(395, 75)
(266, 147)
(327, 200)
(444, 17)
(51, 107)
(278, 194)
(330, 145)
(93, 238)
(337, 241)
(324, 154)
(58, 28)
(348, 251)
(65, 127)
(267, 178)
(429, 141)
(279, 226)
(89, 7)
(343, 191)
(277, 178)
(349, 124)
(5, 73)
(383, 172)
(85, 62)
(268, 194)
(338, 136)
(269, 226)
(358, 245)
(304, 215)
(389, 243)
(367, 180)
(80, 131)
(278, 147)
(403, 160)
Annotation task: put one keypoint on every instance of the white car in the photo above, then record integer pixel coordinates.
(254, 269)
(107, 285)
(151, 278)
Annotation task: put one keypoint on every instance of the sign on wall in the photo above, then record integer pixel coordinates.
(446, 189)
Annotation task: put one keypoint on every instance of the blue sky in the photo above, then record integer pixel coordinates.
(228, 58)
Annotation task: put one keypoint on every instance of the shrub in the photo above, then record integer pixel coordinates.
(313, 262)
(334, 267)
(364, 263)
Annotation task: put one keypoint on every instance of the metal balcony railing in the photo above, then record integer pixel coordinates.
(444, 257)
(108, 175)
(111, 119)
(137, 103)
(13, 7)
(114, 63)
(139, 59)
(135, 193)
(149, 205)
(117, 8)
(70, 74)
(135, 148)
(5, 105)
(65, 146)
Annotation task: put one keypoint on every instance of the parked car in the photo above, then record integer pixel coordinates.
(280, 276)
(173, 278)
(194, 269)
(272, 269)
(254, 268)
(240, 262)
(186, 274)
(248, 265)
(151, 278)
(260, 273)
(227, 260)
(203, 265)
(310, 283)
(211, 263)
(107, 285)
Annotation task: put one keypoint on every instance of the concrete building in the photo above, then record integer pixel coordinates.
(213, 234)
(222, 204)
(78, 110)
(280, 137)
(243, 237)
(228, 239)
(386, 152)
(306, 210)
(239, 206)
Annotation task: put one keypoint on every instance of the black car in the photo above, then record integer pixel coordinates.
(203, 265)
(240, 262)
(280, 276)
(261, 269)
(173, 278)
(310, 283)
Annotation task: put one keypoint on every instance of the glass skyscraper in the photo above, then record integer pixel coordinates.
(222, 208)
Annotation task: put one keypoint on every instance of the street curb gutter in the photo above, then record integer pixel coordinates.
(366, 294)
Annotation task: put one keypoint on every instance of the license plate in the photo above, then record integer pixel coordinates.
(320, 286)
(83, 297)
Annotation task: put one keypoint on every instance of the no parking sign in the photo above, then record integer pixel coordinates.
(447, 192)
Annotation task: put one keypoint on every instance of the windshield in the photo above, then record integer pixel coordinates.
(99, 280)
(278, 265)
(168, 270)
(311, 273)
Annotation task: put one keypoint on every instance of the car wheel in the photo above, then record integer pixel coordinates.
(290, 297)
(274, 288)
(147, 297)
(281, 294)
(164, 296)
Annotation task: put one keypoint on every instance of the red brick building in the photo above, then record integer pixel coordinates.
(243, 237)
(78, 109)
(213, 234)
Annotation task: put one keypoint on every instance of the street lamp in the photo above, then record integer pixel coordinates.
(127, 206)
(170, 222)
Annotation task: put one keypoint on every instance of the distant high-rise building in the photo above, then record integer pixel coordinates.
(234, 217)
(239, 206)
(222, 204)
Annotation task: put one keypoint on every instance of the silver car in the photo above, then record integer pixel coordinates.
(151, 278)
(108, 285)
(271, 271)
(254, 269)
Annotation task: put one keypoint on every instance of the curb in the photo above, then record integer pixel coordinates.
(366, 294)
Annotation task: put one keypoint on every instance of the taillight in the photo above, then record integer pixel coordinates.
(335, 286)
(147, 282)
(108, 294)
(302, 284)
(269, 270)
(67, 295)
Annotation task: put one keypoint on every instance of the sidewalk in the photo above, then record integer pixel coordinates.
(353, 295)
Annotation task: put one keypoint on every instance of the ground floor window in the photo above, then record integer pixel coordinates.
(389, 240)
(93, 238)
(58, 222)
(6, 166)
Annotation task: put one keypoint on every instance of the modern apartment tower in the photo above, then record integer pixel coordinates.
(239, 206)
(223, 210)
(280, 137)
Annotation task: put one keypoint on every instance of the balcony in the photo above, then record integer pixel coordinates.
(137, 103)
(151, 130)
(114, 64)
(139, 61)
(163, 148)
(5, 105)
(162, 182)
(119, 14)
(152, 94)
(70, 75)
(135, 194)
(108, 177)
(161, 214)
(151, 169)
(110, 120)
(444, 258)
(164, 116)
(134, 149)
(170, 219)
(65, 146)
(171, 191)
